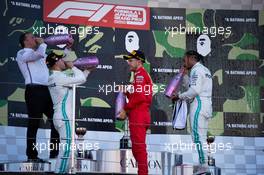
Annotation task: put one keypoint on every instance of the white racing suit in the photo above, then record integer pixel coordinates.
(199, 94)
(61, 93)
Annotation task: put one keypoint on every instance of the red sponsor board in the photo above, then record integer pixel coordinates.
(96, 14)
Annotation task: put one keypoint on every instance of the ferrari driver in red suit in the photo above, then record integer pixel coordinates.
(137, 108)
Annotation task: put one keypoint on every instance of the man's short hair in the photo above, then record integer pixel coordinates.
(195, 55)
(22, 38)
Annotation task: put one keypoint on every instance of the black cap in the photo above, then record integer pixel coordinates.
(52, 58)
(137, 55)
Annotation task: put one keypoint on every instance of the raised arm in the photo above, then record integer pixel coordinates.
(77, 78)
(195, 86)
(32, 55)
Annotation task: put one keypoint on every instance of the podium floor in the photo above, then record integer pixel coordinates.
(42, 173)
(110, 162)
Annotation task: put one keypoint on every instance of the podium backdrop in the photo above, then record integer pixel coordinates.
(232, 42)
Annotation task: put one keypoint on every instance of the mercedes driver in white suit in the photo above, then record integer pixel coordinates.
(60, 87)
(199, 94)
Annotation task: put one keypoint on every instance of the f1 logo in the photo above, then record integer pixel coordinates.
(82, 9)
(96, 14)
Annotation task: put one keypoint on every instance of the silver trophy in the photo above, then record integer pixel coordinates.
(80, 131)
(211, 160)
(125, 142)
(81, 152)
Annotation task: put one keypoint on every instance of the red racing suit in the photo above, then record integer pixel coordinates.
(139, 116)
